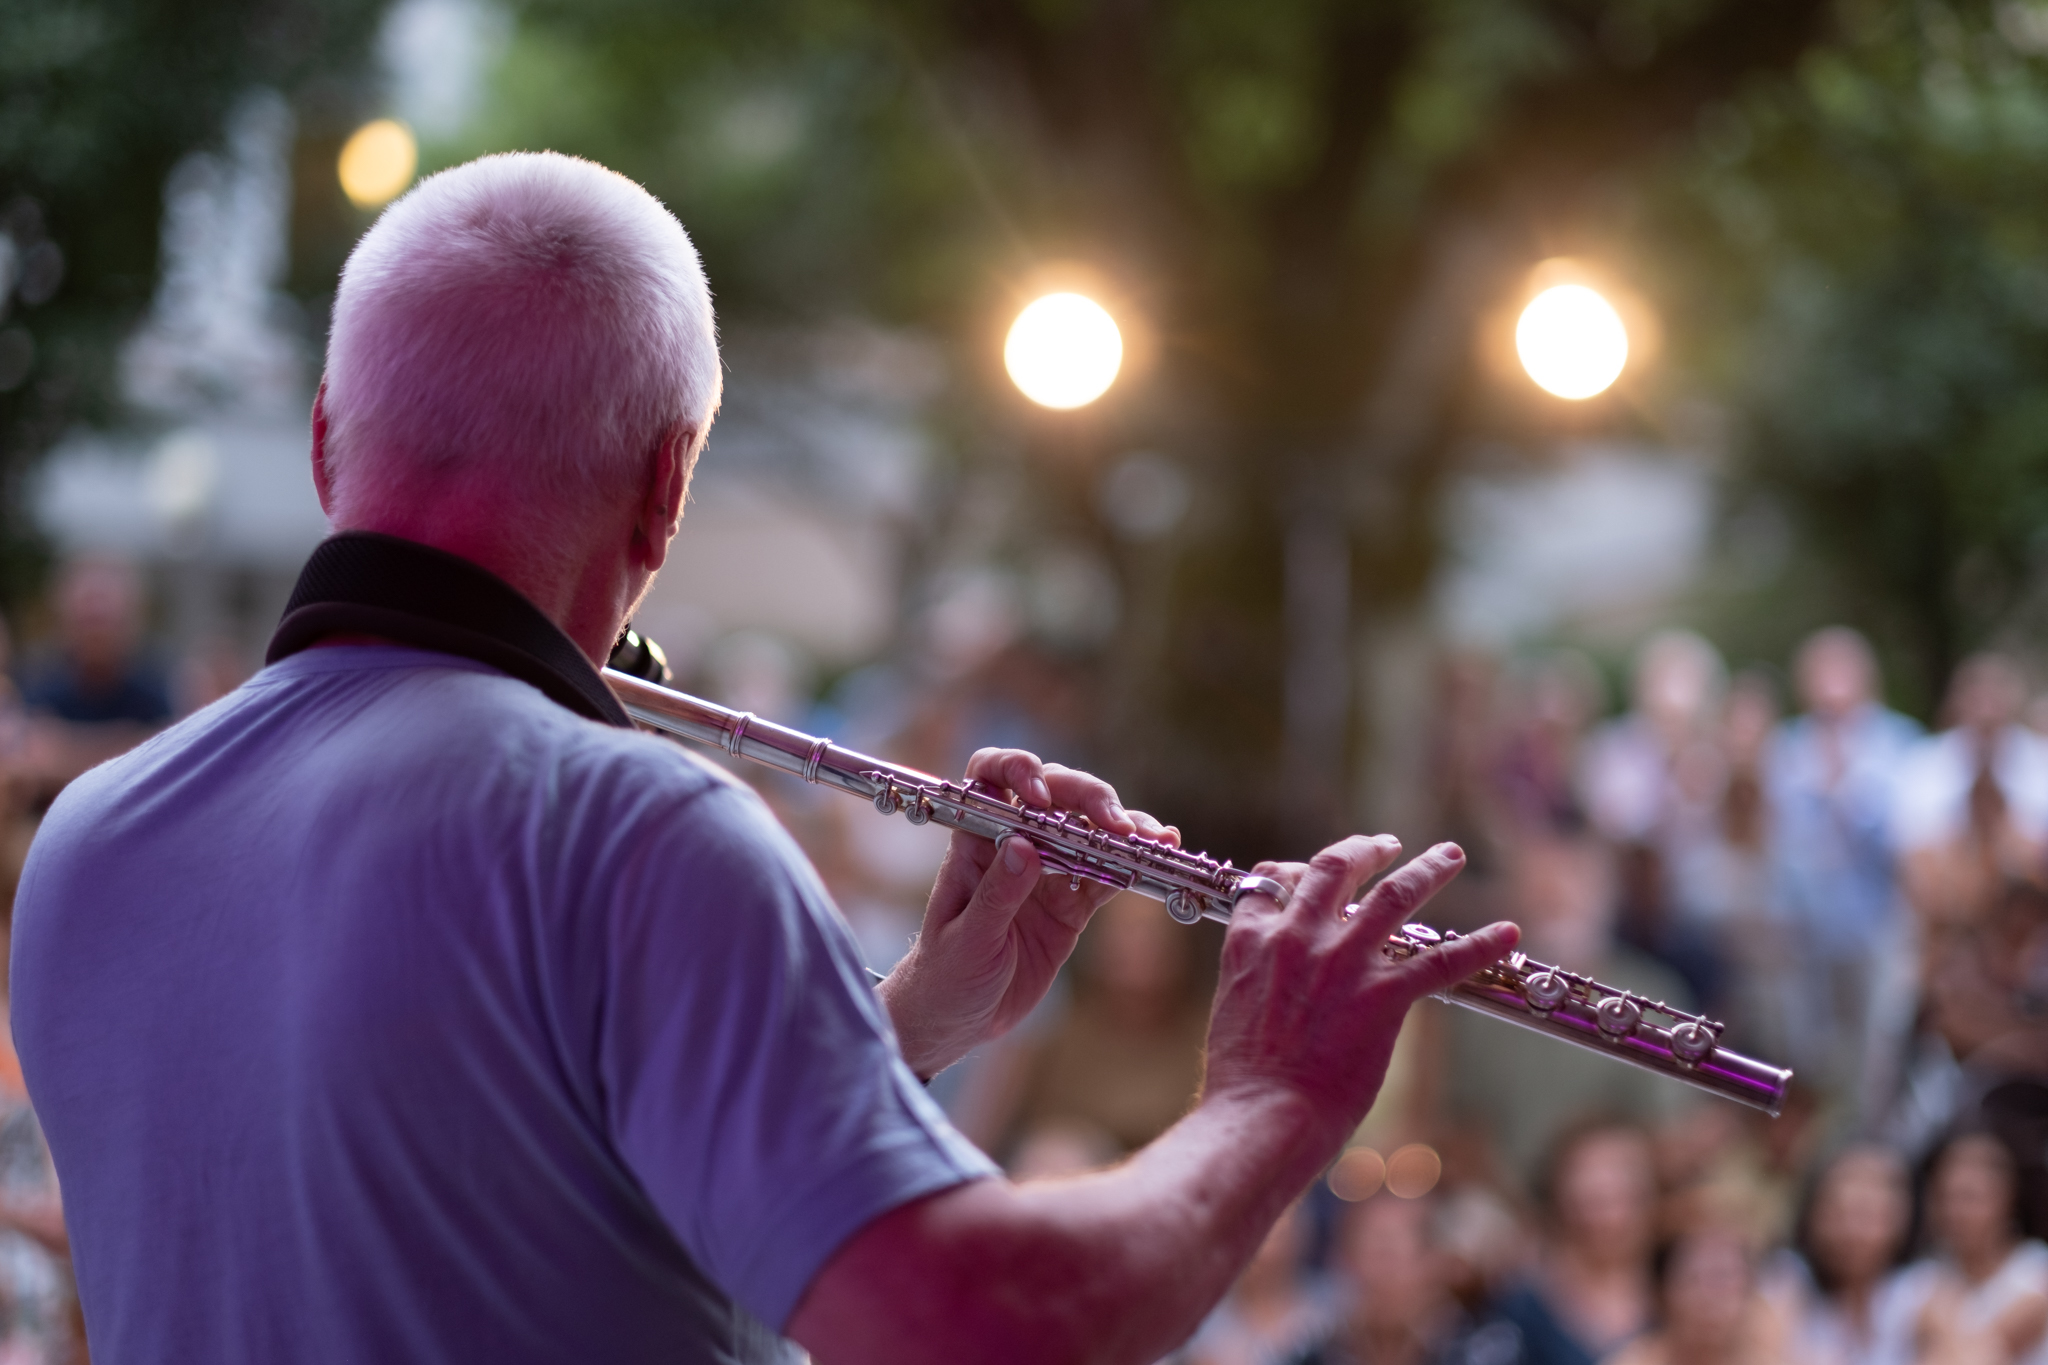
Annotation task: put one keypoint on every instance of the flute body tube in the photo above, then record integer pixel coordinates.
(1571, 1008)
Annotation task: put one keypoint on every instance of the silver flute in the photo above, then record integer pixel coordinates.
(1554, 1002)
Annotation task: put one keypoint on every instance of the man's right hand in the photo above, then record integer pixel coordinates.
(1307, 1001)
(1119, 1266)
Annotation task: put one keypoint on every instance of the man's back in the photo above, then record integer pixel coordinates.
(388, 1011)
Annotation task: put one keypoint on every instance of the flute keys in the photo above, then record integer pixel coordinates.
(1619, 1016)
(1691, 1041)
(1545, 991)
(1184, 906)
(889, 799)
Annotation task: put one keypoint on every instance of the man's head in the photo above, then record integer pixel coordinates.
(1986, 693)
(1564, 895)
(1679, 677)
(1387, 1248)
(515, 345)
(1836, 672)
(1599, 1187)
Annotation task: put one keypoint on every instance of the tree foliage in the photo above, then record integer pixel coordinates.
(1865, 259)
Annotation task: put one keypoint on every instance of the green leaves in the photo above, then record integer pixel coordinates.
(1887, 345)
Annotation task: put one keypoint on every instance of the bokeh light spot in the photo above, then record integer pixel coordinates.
(1358, 1174)
(1571, 341)
(377, 163)
(1063, 351)
(1413, 1171)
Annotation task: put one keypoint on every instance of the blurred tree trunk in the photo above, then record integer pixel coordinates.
(1315, 361)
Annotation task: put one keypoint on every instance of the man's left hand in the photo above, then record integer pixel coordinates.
(996, 930)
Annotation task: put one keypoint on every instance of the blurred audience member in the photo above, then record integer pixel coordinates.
(1522, 1088)
(1590, 1290)
(1061, 1147)
(1981, 1018)
(1277, 1310)
(208, 672)
(1842, 1000)
(1462, 744)
(1481, 1234)
(1717, 1167)
(1395, 1285)
(1976, 1036)
(39, 1319)
(1983, 1298)
(99, 674)
(1719, 887)
(1838, 1289)
(1125, 1056)
(98, 693)
(16, 783)
(1550, 702)
(10, 695)
(1708, 1308)
(1971, 808)
(1633, 765)
(1652, 781)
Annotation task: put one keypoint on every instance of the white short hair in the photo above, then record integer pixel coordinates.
(527, 307)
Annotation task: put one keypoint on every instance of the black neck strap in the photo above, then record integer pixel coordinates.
(363, 583)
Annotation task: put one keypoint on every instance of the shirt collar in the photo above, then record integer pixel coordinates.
(362, 582)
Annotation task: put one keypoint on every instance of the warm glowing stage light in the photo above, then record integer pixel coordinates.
(1063, 351)
(1413, 1171)
(377, 163)
(1358, 1174)
(1571, 341)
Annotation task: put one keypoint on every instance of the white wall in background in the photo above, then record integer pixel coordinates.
(1610, 535)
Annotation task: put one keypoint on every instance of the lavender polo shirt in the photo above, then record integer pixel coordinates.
(388, 1011)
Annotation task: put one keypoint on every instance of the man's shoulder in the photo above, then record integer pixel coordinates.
(410, 722)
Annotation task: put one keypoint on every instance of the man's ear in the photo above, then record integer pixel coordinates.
(661, 502)
(323, 484)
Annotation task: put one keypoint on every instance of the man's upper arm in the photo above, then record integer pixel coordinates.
(926, 1282)
(750, 1079)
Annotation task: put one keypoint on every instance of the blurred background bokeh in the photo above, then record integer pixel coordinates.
(1731, 675)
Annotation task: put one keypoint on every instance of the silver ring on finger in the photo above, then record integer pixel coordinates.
(1261, 886)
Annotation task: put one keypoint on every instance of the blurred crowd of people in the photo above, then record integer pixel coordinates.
(1632, 1254)
(1851, 895)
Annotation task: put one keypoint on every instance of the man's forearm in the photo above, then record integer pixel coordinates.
(1118, 1266)
(1159, 1239)
(1121, 1266)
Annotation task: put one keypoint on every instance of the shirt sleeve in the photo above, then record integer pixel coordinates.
(751, 1079)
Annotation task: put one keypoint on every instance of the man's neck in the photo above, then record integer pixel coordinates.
(573, 581)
